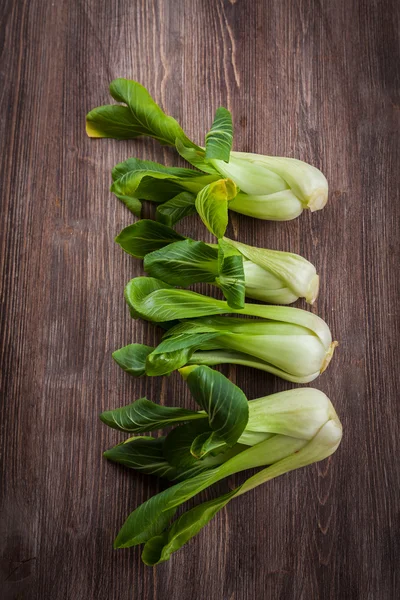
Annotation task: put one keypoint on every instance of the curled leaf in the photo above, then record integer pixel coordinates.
(212, 205)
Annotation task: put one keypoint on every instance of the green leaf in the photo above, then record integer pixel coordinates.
(152, 517)
(147, 521)
(154, 300)
(178, 445)
(166, 362)
(135, 180)
(220, 137)
(225, 403)
(146, 236)
(188, 262)
(227, 414)
(179, 441)
(132, 204)
(141, 116)
(146, 117)
(156, 182)
(183, 263)
(173, 342)
(207, 443)
(231, 281)
(132, 358)
(139, 295)
(174, 352)
(144, 454)
(159, 548)
(153, 548)
(221, 325)
(147, 455)
(212, 205)
(144, 415)
(135, 167)
(225, 250)
(195, 326)
(172, 211)
(111, 121)
(231, 278)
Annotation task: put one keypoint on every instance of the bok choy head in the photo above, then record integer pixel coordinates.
(272, 188)
(237, 269)
(291, 343)
(280, 433)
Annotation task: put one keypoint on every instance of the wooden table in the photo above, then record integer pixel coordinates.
(313, 80)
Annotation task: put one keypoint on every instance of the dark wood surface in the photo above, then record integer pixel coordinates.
(313, 80)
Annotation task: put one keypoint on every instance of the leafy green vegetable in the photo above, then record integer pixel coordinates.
(156, 301)
(178, 443)
(238, 269)
(175, 352)
(325, 443)
(301, 427)
(228, 434)
(188, 262)
(272, 188)
(291, 343)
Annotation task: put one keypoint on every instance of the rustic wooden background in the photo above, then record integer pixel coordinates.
(313, 80)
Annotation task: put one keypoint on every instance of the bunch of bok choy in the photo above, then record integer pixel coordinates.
(266, 187)
(294, 344)
(228, 434)
(237, 269)
(280, 433)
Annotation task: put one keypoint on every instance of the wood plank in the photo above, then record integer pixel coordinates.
(314, 80)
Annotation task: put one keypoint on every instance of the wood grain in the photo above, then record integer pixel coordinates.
(316, 80)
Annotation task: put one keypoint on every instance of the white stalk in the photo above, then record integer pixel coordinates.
(274, 187)
(284, 272)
